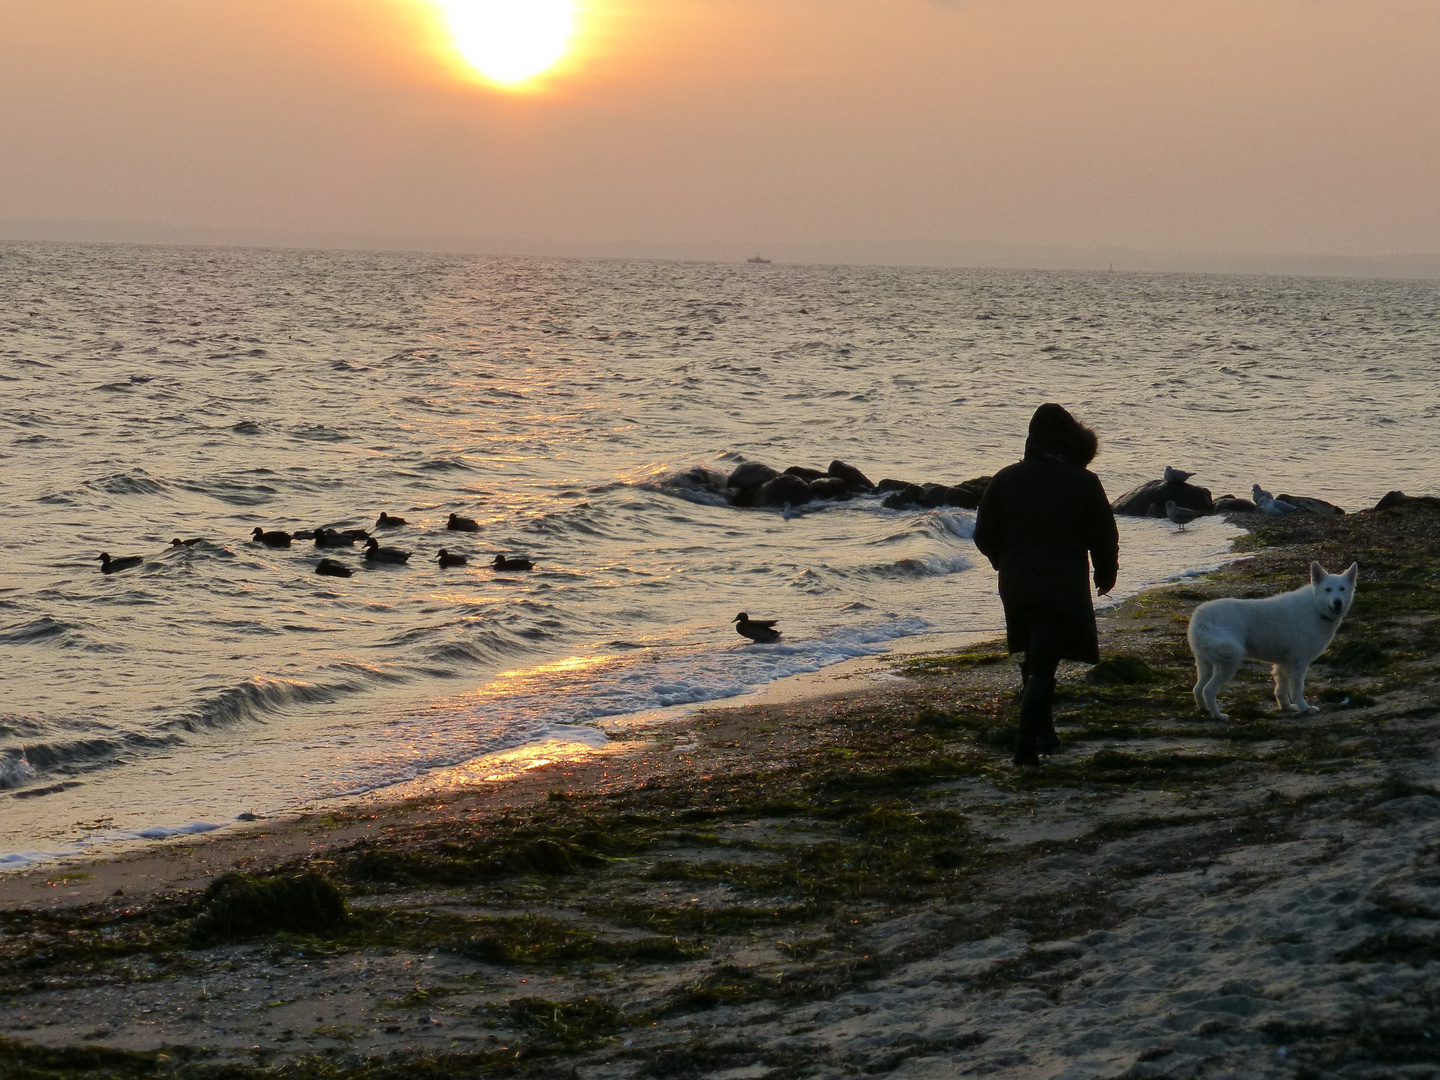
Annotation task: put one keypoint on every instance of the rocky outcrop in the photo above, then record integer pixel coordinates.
(1394, 499)
(1305, 504)
(966, 495)
(783, 490)
(756, 484)
(750, 476)
(1229, 504)
(1149, 499)
(854, 479)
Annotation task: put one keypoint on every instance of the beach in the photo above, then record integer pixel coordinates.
(854, 884)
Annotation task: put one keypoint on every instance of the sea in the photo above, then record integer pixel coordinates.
(151, 393)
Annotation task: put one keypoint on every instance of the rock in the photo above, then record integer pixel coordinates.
(1229, 504)
(1393, 499)
(907, 496)
(750, 476)
(854, 479)
(808, 475)
(829, 487)
(1138, 501)
(783, 489)
(884, 487)
(935, 495)
(976, 486)
(1310, 506)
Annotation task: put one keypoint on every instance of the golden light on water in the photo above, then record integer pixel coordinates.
(510, 42)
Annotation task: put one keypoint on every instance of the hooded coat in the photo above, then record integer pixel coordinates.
(1042, 522)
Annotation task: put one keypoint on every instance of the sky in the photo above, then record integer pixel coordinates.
(1246, 126)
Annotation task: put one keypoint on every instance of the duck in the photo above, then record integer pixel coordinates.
(305, 534)
(331, 568)
(114, 566)
(459, 524)
(376, 553)
(385, 521)
(271, 539)
(502, 563)
(1180, 515)
(178, 543)
(758, 630)
(448, 560)
(331, 538)
(1176, 476)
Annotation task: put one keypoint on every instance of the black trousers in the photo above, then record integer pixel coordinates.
(1037, 673)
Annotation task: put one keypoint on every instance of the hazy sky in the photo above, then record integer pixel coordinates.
(1240, 125)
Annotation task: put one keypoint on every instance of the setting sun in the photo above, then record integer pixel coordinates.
(509, 41)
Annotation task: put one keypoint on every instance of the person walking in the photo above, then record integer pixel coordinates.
(1042, 523)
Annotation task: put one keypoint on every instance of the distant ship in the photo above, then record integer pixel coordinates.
(757, 259)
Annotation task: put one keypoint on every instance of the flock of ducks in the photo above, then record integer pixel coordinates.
(342, 538)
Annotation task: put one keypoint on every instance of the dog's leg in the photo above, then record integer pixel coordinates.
(1224, 665)
(1283, 694)
(1203, 669)
(1297, 688)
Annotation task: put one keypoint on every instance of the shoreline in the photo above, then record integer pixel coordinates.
(854, 884)
(60, 849)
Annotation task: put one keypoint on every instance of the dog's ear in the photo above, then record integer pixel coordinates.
(1317, 573)
(1350, 574)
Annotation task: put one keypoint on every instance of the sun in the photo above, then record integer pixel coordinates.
(510, 41)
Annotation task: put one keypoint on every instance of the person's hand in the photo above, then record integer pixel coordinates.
(1104, 585)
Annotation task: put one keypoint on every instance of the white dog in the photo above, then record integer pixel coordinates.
(1289, 631)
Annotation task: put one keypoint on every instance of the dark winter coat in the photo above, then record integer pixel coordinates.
(1037, 523)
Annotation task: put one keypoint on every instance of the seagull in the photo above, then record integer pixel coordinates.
(1268, 504)
(448, 560)
(375, 553)
(459, 524)
(331, 568)
(758, 630)
(385, 521)
(1180, 515)
(1176, 476)
(114, 566)
(271, 539)
(502, 563)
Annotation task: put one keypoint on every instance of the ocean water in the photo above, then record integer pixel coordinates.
(151, 393)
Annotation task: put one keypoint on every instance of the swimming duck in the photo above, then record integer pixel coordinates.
(305, 534)
(331, 538)
(331, 568)
(177, 542)
(271, 539)
(447, 560)
(502, 563)
(385, 521)
(758, 630)
(1180, 515)
(459, 524)
(376, 553)
(114, 566)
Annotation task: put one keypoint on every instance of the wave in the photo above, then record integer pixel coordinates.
(696, 485)
(40, 629)
(257, 698)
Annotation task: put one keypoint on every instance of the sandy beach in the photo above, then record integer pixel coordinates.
(854, 884)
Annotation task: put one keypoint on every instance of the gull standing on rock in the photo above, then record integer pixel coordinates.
(1176, 476)
(1268, 504)
(1180, 515)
